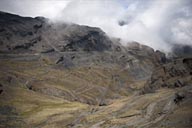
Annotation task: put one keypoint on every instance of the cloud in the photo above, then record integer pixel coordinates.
(46, 8)
(157, 23)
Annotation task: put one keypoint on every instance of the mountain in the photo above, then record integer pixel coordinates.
(57, 75)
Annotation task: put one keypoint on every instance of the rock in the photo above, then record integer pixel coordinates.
(179, 97)
(174, 74)
(60, 60)
(1, 91)
(160, 56)
(17, 32)
(48, 50)
(179, 83)
(61, 38)
(88, 39)
(103, 103)
(188, 63)
(66, 61)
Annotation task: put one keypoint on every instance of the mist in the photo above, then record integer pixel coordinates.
(160, 24)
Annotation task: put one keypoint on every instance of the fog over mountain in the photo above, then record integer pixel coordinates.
(157, 23)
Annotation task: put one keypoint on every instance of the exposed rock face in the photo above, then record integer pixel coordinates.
(172, 75)
(1, 90)
(36, 34)
(160, 57)
(17, 32)
(179, 97)
(137, 49)
(188, 63)
(85, 38)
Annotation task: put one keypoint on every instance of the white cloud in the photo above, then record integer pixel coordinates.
(46, 8)
(182, 31)
(143, 24)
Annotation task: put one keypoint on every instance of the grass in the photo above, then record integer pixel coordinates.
(36, 107)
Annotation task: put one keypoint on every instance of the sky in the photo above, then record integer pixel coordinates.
(157, 23)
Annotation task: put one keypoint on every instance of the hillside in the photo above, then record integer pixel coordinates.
(72, 76)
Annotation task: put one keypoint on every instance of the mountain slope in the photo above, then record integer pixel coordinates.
(67, 75)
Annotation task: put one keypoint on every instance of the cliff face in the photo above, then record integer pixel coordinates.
(174, 74)
(67, 75)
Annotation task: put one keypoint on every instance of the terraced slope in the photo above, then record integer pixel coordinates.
(37, 94)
